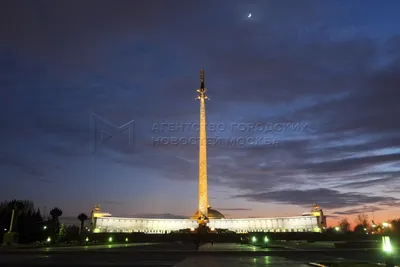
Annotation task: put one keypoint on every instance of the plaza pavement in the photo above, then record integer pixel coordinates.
(180, 255)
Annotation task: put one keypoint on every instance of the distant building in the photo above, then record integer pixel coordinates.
(96, 213)
(319, 214)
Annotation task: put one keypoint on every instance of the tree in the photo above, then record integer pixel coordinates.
(72, 233)
(395, 226)
(27, 222)
(344, 225)
(55, 213)
(330, 230)
(362, 219)
(62, 233)
(82, 218)
(359, 229)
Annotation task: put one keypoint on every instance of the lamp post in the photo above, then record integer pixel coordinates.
(12, 220)
(10, 237)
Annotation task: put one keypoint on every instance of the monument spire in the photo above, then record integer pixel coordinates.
(203, 190)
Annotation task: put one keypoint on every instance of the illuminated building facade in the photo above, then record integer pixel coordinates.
(205, 215)
(161, 226)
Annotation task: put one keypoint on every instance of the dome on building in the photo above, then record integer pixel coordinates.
(215, 214)
(212, 214)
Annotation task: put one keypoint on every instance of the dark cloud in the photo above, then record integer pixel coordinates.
(327, 198)
(391, 203)
(30, 170)
(351, 163)
(358, 211)
(158, 216)
(234, 209)
(112, 202)
(333, 217)
(384, 178)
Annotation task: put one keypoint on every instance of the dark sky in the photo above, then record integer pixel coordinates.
(323, 75)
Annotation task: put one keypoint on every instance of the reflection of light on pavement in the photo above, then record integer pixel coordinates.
(86, 247)
(109, 246)
(266, 259)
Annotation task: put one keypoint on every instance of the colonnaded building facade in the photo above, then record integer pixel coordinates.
(315, 221)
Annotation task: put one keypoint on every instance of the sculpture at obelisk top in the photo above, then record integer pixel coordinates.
(202, 212)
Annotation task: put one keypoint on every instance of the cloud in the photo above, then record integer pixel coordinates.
(31, 170)
(327, 198)
(351, 163)
(333, 217)
(383, 179)
(112, 202)
(158, 216)
(358, 211)
(234, 209)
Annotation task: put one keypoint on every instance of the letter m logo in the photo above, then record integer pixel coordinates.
(103, 130)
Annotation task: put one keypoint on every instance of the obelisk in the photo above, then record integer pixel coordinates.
(203, 190)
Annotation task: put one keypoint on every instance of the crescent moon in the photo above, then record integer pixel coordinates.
(249, 16)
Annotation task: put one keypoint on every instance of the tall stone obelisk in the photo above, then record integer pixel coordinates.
(202, 212)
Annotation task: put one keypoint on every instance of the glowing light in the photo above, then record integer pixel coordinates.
(249, 16)
(266, 239)
(337, 228)
(126, 239)
(48, 239)
(253, 239)
(110, 239)
(87, 239)
(387, 246)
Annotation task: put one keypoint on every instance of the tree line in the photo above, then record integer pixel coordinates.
(365, 226)
(32, 225)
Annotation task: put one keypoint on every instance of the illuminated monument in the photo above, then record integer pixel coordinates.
(205, 215)
(204, 212)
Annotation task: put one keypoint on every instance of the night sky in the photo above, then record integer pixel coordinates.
(319, 79)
